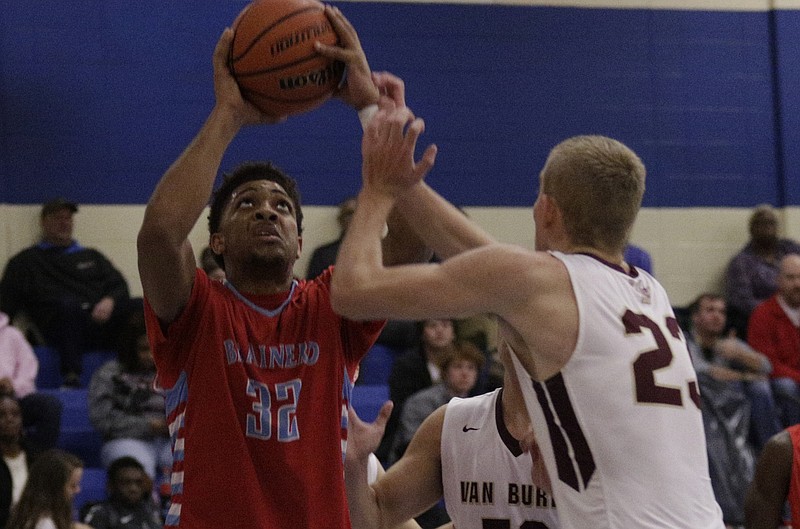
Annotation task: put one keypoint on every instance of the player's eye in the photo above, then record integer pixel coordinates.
(244, 203)
(285, 205)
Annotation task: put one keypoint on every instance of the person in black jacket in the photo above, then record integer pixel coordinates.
(74, 295)
(325, 255)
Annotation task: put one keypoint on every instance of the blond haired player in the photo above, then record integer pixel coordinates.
(607, 377)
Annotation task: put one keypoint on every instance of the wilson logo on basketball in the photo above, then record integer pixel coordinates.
(313, 78)
(298, 37)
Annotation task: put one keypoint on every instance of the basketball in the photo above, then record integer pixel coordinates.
(273, 59)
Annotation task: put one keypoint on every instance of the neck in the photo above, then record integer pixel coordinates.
(704, 339)
(433, 354)
(57, 242)
(766, 249)
(264, 280)
(611, 257)
(10, 447)
(786, 302)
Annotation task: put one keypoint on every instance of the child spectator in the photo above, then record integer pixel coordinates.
(130, 501)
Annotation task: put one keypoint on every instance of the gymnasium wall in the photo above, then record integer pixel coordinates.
(98, 97)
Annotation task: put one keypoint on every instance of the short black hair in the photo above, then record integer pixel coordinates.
(248, 172)
(122, 463)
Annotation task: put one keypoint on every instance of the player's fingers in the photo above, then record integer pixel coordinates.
(390, 86)
(334, 52)
(223, 47)
(400, 119)
(426, 162)
(383, 415)
(344, 29)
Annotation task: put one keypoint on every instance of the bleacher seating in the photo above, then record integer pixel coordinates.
(376, 365)
(368, 399)
(49, 375)
(91, 361)
(93, 488)
(78, 436)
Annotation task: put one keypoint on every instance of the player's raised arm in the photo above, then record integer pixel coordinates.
(400, 493)
(441, 226)
(166, 260)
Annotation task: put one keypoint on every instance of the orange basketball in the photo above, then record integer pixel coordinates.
(273, 59)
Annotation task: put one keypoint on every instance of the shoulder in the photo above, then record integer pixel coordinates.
(430, 431)
(768, 307)
(112, 367)
(789, 246)
(24, 255)
(778, 452)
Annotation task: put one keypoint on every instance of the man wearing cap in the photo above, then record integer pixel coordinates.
(74, 295)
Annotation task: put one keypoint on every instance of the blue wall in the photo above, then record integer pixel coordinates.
(98, 97)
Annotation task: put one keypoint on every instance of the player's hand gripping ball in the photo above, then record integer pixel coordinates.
(273, 58)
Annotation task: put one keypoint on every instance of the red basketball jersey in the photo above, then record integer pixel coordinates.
(257, 389)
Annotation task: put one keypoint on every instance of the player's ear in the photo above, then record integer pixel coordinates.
(299, 246)
(550, 212)
(217, 243)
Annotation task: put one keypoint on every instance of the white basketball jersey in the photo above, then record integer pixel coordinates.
(485, 474)
(620, 425)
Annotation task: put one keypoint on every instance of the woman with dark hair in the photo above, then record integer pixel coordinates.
(126, 409)
(46, 501)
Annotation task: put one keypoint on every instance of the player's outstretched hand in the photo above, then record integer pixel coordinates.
(229, 97)
(363, 438)
(357, 89)
(388, 149)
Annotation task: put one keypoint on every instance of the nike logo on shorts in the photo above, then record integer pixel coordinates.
(465, 429)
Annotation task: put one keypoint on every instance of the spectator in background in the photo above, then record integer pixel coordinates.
(73, 295)
(325, 255)
(730, 363)
(46, 502)
(459, 373)
(739, 411)
(414, 370)
(459, 368)
(17, 457)
(751, 276)
(774, 330)
(210, 265)
(126, 409)
(638, 257)
(41, 413)
(130, 502)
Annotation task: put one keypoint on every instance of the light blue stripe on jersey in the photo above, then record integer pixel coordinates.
(347, 393)
(177, 394)
(265, 312)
